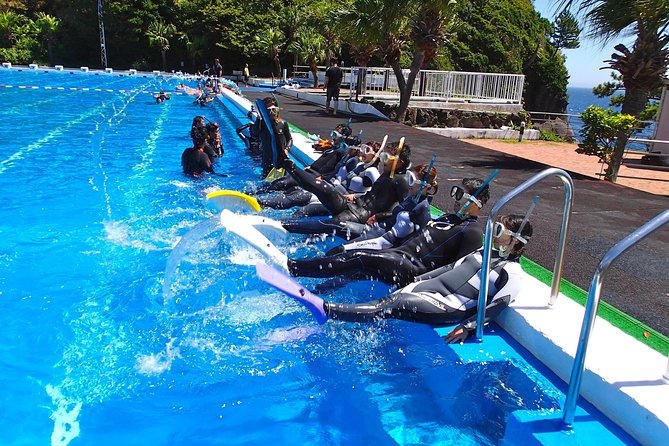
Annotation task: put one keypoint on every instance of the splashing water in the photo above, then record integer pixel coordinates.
(199, 232)
(66, 426)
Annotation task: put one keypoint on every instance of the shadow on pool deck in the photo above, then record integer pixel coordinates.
(603, 213)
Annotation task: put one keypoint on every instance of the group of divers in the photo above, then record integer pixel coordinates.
(373, 197)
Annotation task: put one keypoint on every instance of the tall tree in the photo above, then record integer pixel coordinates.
(272, 42)
(565, 32)
(195, 48)
(642, 67)
(159, 34)
(309, 47)
(423, 24)
(47, 27)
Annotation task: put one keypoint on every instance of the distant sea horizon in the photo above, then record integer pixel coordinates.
(581, 98)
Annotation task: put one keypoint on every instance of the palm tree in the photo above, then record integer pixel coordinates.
(195, 49)
(355, 30)
(423, 23)
(47, 26)
(310, 47)
(271, 42)
(159, 34)
(642, 67)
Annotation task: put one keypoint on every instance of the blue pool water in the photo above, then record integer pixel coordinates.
(92, 352)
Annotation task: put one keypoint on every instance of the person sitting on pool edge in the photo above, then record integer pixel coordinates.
(388, 190)
(358, 180)
(391, 229)
(440, 242)
(445, 296)
(194, 160)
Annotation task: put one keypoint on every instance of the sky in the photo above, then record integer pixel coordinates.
(583, 63)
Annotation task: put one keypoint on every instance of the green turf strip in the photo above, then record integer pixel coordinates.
(617, 318)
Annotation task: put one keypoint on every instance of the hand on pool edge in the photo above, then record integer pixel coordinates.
(458, 334)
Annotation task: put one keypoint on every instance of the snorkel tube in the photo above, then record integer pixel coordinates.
(519, 233)
(504, 251)
(477, 192)
(378, 152)
(397, 156)
(423, 182)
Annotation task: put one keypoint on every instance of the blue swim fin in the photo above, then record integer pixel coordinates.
(287, 285)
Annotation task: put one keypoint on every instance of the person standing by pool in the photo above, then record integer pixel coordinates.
(445, 296)
(283, 135)
(246, 74)
(333, 78)
(284, 139)
(193, 160)
(260, 128)
(217, 69)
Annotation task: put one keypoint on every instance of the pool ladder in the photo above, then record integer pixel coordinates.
(591, 309)
(592, 303)
(487, 244)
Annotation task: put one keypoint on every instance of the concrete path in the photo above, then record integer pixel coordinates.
(603, 213)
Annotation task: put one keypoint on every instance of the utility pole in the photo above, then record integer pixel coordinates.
(103, 45)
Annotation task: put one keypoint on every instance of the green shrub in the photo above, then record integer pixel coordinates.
(601, 129)
(550, 136)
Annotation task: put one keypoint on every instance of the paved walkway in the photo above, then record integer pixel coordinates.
(603, 213)
(564, 156)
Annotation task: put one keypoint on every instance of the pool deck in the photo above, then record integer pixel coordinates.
(623, 377)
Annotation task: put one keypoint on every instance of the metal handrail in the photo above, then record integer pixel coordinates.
(591, 309)
(487, 244)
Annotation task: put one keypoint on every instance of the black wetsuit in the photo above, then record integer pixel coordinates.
(445, 296)
(260, 128)
(323, 166)
(283, 140)
(295, 196)
(385, 193)
(394, 228)
(441, 242)
(250, 140)
(194, 161)
(334, 75)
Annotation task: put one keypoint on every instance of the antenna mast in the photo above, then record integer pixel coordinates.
(103, 46)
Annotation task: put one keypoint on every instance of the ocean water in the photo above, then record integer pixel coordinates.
(581, 98)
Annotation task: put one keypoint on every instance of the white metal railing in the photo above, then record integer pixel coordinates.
(477, 86)
(444, 85)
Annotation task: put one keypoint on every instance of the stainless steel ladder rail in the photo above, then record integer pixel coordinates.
(591, 309)
(487, 244)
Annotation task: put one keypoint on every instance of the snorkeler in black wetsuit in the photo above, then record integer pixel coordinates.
(444, 296)
(194, 160)
(360, 179)
(247, 133)
(387, 230)
(441, 242)
(389, 189)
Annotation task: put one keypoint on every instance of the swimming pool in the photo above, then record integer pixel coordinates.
(92, 352)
